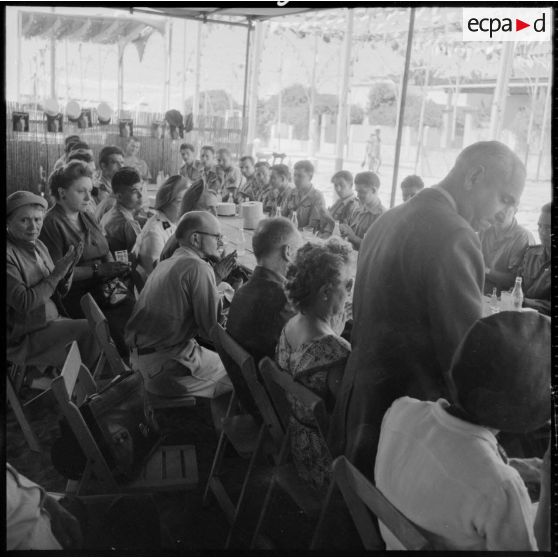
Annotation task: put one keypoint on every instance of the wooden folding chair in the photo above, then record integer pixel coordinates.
(248, 431)
(18, 409)
(109, 353)
(169, 468)
(280, 385)
(362, 499)
(14, 382)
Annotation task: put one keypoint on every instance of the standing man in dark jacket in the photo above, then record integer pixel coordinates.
(418, 290)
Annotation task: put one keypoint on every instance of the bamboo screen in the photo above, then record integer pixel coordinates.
(27, 151)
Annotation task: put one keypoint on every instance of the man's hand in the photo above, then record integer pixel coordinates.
(224, 266)
(65, 527)
(346, 231)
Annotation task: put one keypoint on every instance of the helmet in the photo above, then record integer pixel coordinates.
(500, 373)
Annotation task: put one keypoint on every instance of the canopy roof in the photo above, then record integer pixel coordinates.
(234, 16)
(95, 29)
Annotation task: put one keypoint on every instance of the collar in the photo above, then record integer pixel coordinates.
(187, 251)
(106, 182)
(23, 244)
(162, 217)
(447, 195)
(508, 232)
(376, 209)
(347, 199)
(454, 423)
(269, 274)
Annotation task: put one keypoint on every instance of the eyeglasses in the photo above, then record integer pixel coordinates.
(218, 236)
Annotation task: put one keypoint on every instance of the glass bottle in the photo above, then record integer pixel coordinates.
(517, 294)
(294, 219)
(494, 308)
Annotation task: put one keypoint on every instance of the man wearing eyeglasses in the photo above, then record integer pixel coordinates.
(178, 302)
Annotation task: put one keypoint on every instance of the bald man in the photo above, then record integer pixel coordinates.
(418, 290)
(178, 302)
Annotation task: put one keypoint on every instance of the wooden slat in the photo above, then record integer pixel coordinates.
(152, 478)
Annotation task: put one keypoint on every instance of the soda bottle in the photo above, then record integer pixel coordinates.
(494, 308)
(294, 219)
(517, 294)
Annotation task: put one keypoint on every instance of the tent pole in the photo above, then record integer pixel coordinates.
(53, 66)
(545, 119)
(254, 81)
(196, 99)
(120, 98)
(245, 94)
(401, 114)
(501, 91)
(19, 62)
(343, 94)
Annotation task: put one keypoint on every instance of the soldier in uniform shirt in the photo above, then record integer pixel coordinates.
(191, 167)
(536, 265)
(370, 208)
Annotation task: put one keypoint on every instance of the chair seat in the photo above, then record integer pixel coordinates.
(307, 498)
(169, 468)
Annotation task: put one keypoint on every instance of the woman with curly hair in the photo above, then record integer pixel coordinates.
(310, 347)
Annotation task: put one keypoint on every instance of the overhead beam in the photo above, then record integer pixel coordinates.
(199, 18)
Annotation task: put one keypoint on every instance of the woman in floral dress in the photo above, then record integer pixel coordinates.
(310, 347)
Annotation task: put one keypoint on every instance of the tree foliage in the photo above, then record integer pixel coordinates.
(295, 108)
(383, 107)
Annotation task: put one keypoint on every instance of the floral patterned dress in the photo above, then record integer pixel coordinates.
(310, 364)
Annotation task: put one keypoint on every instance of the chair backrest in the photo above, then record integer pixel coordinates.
(99, 326)
(280, 385)
(361, 495)
(70, 389)
(248, 387)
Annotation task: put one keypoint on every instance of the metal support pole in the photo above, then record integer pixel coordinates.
(343, 94)
(196, 99)
(401, 114)
(244, 127)
(184, 31)
(254, 82)
(19, 62)
(120, 93)
(311, 121)
(167, 65)
(501, 91)
(531, 120)
(52, 66)
(421, 117)
(545, 119)
(280, 103)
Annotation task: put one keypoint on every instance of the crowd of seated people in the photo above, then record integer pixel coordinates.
(417, 311)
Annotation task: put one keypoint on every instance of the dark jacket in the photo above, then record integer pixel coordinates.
(418, 289)
(258, 312)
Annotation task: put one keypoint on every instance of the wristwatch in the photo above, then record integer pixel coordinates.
(95, 268)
